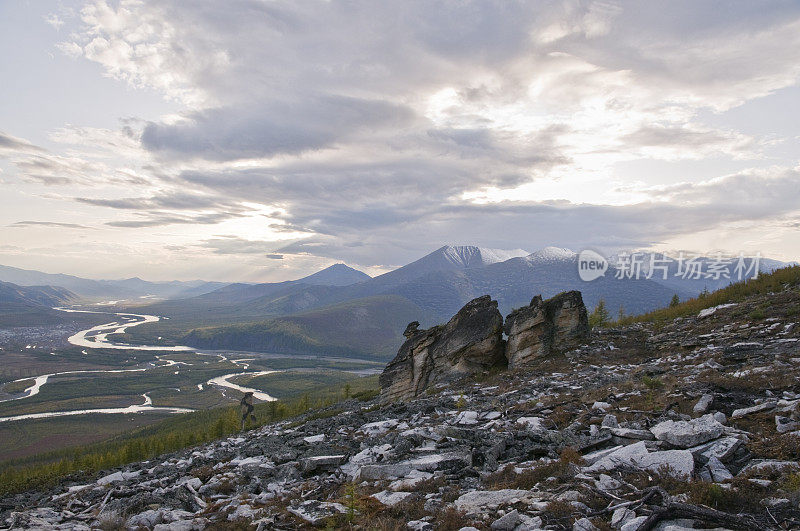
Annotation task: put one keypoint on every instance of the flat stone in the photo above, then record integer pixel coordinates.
(411, 480)
(622, 516)
(618, 456)
(310, 464)
(389, 498)
(316, 512)
(629, 433)
(685, 434)
(433, 462)
(378, 472)
(704, 403)
(715, 471)
(532, 423)
(118, 476)
(583, 524)
(761, 465)
(508, 522)
(610, 421)
(722, 449)
(593, 457)
(633, 525)
(784, 424)
(766, 406)
(466, 418)
(478, 500)
(678, 463)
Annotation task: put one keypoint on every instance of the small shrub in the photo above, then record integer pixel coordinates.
(367, 395)
(782, 447)
(652, 383)
(757, 314)
(570, 455)
(451, 520)
(559, 510)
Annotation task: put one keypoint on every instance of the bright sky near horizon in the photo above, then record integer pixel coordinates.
(263, 140)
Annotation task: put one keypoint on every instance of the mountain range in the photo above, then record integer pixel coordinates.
(32, 305)
(299, 316)
(345, 311)
(89, 289)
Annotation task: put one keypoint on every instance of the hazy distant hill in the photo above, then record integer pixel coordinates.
(32, 305)
(370, 327)
(108, 289)
(47, 296)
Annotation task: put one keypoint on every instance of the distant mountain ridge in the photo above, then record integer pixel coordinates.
(47, 296)
(33, 305)
(437, 285)
(108, 289)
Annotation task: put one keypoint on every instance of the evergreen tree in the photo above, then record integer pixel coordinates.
(675, 301)
(600, 315)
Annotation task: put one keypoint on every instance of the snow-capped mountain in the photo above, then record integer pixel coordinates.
(552, 254)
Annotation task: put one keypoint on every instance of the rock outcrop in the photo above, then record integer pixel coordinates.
(545, 327)
(471, 341)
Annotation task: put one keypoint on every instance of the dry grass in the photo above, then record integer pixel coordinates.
(562, 469)
(783, 447)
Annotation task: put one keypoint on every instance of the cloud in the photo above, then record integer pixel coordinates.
(157, 219)
(379, 130)
(234, 245)
(279, 127)
(13, 145)
(53, 224)
(164, 200)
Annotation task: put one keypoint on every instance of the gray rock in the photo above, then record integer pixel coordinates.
(320, 462)
(622, 516)
(765, 406)
(784, 424)
(507, 522)
(315, 512)
(633, 525)
(629, 433)
(704, 403)
(584, 524)
(715, 471)
(610, 421)
(762, 465)
(478, 500)
(545, 327)
(471, 341)
(389, 498)
(680, 463)
(685, 434)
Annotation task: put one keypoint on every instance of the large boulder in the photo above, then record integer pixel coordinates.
(471, 341)
(688, 433)
(545, 327)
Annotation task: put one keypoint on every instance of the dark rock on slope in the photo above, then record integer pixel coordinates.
(471, 341)
(544, 327)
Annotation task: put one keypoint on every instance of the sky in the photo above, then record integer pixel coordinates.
(260, 140)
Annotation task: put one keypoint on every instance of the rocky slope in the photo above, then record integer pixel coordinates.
(692, 424)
